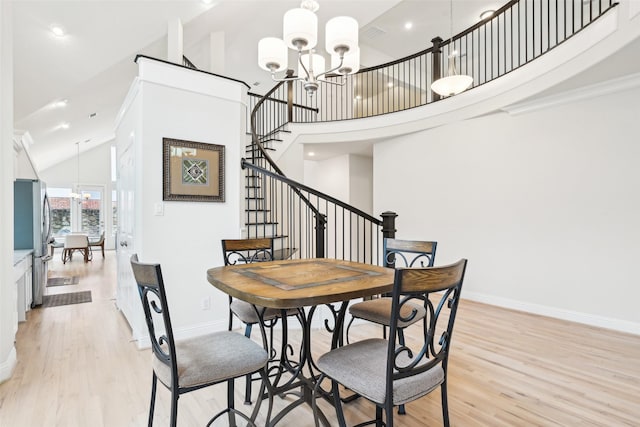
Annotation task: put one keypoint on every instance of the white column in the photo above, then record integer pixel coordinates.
(8, 294)
(216, 52)
(174, 41)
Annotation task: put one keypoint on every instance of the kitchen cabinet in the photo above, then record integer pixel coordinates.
(22, 277)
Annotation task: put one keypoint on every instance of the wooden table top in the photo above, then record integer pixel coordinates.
(302, 282)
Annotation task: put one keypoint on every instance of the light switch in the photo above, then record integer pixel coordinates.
(158, 209)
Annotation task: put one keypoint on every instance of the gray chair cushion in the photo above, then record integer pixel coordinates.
(361, 367)
(212, 358)
(378, 310)
(245, 312)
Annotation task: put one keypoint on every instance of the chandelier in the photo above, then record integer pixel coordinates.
(78, 195)
(300, 33)
(453, 83)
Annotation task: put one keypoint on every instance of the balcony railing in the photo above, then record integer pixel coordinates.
(518, 33)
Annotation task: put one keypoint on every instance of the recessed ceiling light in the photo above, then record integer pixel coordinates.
(311, 153)
(487, 14)
(64, 125)
(408, 25)
(61, 103)
(390, 84)
(58, 31)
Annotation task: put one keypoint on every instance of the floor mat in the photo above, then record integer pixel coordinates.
(66, 299)
(63, 281)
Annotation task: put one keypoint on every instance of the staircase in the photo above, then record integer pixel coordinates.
(260, 220)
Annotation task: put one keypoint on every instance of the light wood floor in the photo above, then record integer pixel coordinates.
(77, 367)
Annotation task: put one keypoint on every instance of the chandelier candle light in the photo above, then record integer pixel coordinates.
(453, 83)
(300, 33)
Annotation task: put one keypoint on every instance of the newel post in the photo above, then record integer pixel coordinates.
(321, 222)
(389, 231)
(389, 224)
(436, 63)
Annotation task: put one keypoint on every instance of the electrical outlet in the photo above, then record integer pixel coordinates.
(206, 303)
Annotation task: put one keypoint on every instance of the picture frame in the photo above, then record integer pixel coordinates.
(192, 171)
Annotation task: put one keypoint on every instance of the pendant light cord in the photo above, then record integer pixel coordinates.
(451, 46)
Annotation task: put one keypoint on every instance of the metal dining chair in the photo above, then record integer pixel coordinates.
(391, 374)
(397, 253)
(247, 251)
(194, 363)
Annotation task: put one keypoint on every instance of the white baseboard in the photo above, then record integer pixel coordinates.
(558, 313)
(7, 366)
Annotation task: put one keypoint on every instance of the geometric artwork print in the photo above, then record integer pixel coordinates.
(195, 171)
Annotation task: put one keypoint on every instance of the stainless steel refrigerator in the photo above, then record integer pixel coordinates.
(32, 228)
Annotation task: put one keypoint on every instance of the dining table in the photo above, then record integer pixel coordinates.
(302, 284)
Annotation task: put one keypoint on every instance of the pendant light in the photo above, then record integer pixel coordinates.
(78, 195)
(453, 83)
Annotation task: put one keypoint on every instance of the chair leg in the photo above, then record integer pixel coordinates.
(401, 408)
(445, 405)
(230, 403)
(247, 390)
(174, 407)
(388, 410)
(154, 383)
(379, 422)
(337, 403)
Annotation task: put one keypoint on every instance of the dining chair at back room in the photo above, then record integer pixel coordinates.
(391, 374)
(191, 364)
(248, 251)
(73, 243)
(97, 243)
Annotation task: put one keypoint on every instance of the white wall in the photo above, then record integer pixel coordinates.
(347, 178)
(544, 205)
(329, 176)
(361, 183)
(185, 240)
(95, 169)
(8, 295)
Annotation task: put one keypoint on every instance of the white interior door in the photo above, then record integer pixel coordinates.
(127, 297)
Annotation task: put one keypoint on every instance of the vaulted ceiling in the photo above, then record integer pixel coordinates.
(92, 66)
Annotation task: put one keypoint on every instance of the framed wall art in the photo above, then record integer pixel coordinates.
(192, 171)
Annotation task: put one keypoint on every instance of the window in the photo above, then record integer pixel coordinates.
(82, 215)
(60, 201)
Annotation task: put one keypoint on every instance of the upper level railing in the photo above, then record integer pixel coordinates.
(517, 33)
